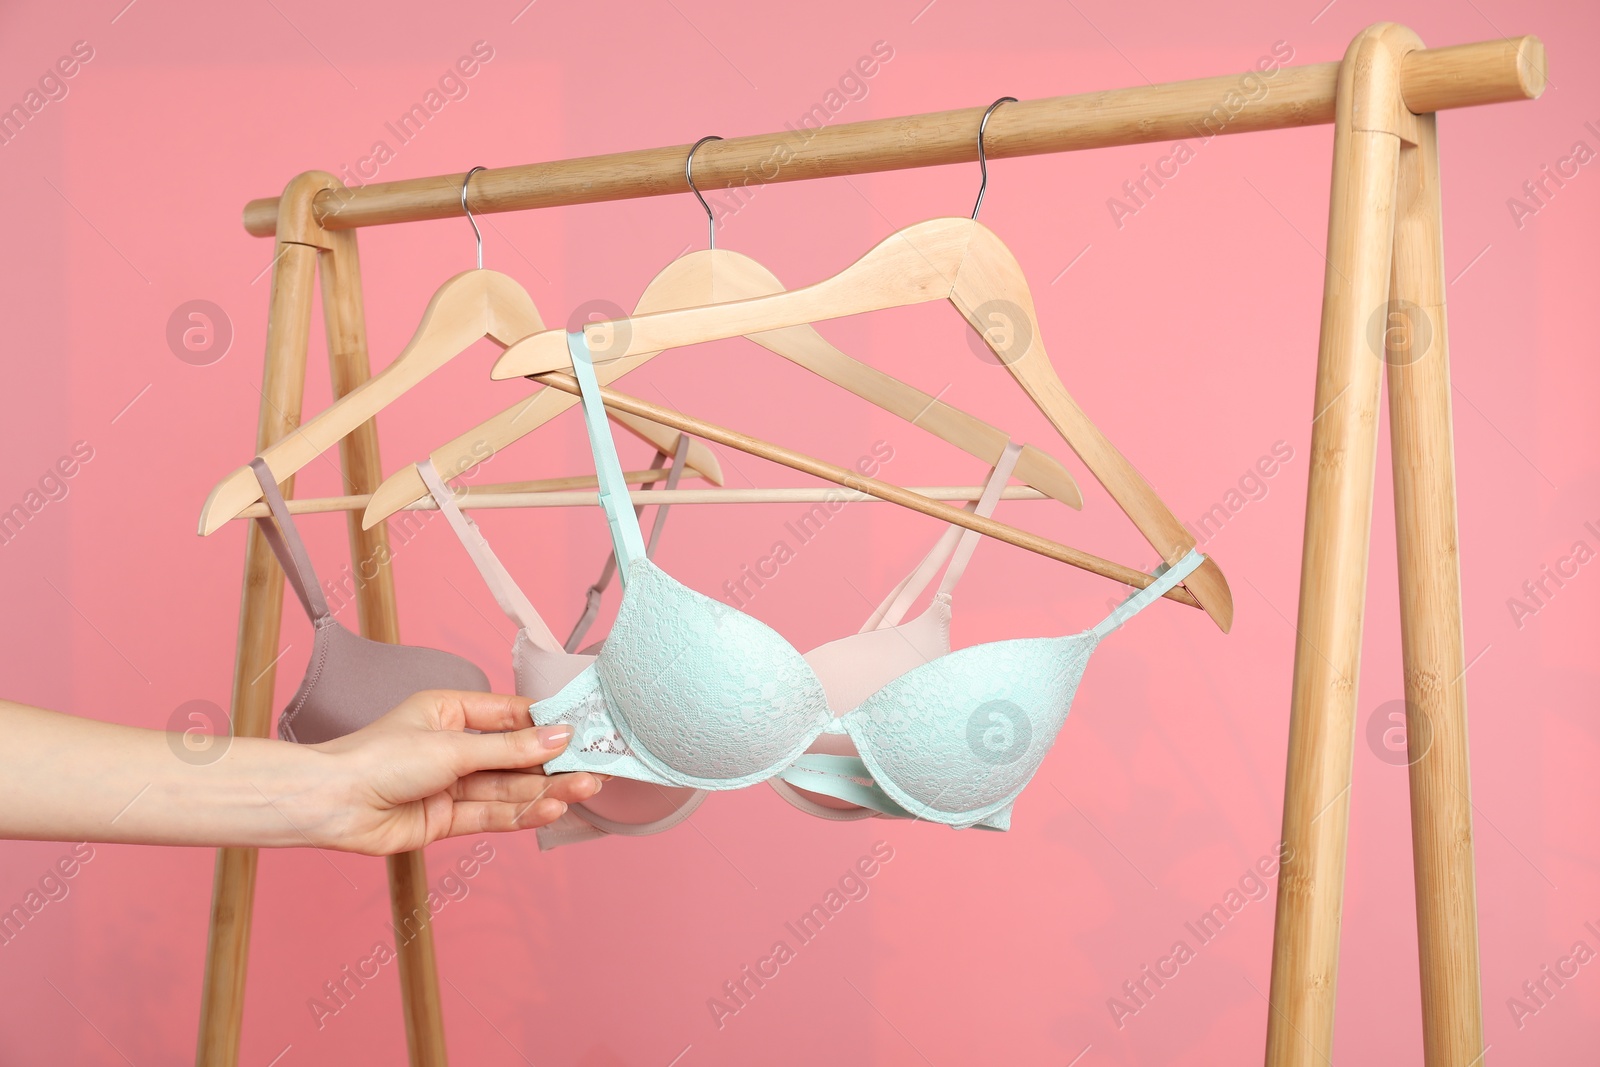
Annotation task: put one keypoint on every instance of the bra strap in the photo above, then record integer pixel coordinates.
(285, 542)
(680, 459)
(1166, 577)
(626, 538)
(591, 605)
(518, 608)
(956, 544)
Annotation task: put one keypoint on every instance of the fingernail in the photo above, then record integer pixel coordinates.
(554, 736)
(599, 783)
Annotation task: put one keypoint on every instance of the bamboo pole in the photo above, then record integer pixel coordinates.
(1333, 577)
(1430, 619)
(1434, 79)
(260, 615)
(345, 320)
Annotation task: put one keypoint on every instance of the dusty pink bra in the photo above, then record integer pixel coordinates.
(350, 680)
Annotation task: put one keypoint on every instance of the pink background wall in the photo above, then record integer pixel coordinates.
(1189, 333)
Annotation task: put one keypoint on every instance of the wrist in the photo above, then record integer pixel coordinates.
(294, 790)
(318, 796)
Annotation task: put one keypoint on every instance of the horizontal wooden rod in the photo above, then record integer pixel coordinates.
(318, 505)
(482, 498)
(1434, 79)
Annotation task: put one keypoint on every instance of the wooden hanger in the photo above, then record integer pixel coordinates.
(699, 460)
(579, 491)
(955, 259)
(894, 494)
(712, 276)
(469, 307)
(473, 305)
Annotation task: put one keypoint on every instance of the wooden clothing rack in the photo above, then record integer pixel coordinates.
(1384, 248)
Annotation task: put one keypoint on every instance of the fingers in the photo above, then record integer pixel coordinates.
(511, 750)
(503, 801)
(523, 787)
(495, 711)
(494, 817)
(456, 709)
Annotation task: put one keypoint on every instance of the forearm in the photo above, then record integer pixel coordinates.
(72, 779)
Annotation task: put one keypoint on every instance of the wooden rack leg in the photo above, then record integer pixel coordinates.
(369, 551)
(1333, 579)
(260, 614)
(1430, 618)
(301, 243)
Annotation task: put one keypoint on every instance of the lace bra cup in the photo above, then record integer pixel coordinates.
(542, 666)
(690, 692)
(850, 668)
(350, 680)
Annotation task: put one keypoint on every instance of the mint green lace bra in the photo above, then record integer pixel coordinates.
(690, 692)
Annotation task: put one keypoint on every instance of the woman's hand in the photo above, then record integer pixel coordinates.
(415, 776)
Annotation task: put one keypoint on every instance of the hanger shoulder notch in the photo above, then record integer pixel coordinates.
(470, 306)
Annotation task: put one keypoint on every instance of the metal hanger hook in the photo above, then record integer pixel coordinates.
(983, 162)
(475, 231)
(688, 176)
